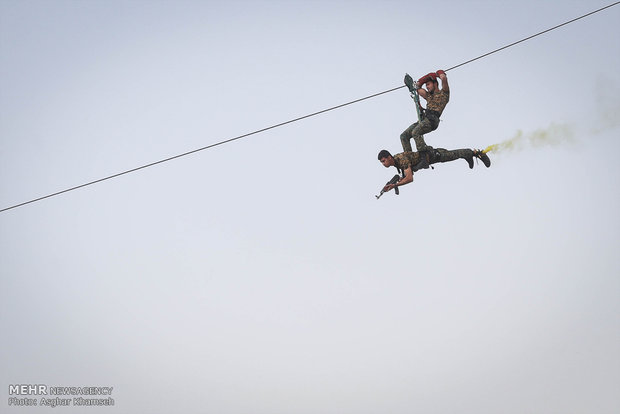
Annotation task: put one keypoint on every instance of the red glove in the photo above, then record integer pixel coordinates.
(428, 77)
(422, 81)
(440, 72)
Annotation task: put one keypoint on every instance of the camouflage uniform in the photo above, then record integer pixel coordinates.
(435, 104)
(409, 159)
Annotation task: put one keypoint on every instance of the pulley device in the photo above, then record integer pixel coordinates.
(415, 95)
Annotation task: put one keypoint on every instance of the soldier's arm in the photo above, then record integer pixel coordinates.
(422, 92)
(428, 77)
(405, 180)
(444, 80)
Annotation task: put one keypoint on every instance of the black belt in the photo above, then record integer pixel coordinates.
(432, 114)
(433, 117)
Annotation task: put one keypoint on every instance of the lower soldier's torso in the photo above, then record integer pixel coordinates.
(405, 160)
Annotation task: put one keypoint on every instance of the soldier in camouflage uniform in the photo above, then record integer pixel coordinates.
(408, 162)
(436, 101)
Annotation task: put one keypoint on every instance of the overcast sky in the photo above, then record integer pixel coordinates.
(262, 276)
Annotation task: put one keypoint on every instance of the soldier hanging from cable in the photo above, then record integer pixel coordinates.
(436, 101)
(408, 162)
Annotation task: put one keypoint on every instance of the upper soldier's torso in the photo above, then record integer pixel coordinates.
(437, 100)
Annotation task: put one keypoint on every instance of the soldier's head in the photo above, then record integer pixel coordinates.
(431, 85)
(386, 158)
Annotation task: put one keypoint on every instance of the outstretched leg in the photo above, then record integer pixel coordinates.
(445, 155)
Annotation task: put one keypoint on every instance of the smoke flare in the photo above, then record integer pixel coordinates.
(555, 134)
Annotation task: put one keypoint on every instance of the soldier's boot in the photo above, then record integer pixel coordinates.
(481, 155)
(470, 160)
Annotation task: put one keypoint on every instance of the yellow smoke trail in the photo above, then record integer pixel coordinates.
(555, 134)
(605, 117)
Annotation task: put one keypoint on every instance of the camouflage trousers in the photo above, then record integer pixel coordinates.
(444, 155)
(417, 131)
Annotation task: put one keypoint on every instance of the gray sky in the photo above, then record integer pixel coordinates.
(262, 276)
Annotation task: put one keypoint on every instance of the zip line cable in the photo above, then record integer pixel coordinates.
(290, 121)
(533, 36)
(196, 150)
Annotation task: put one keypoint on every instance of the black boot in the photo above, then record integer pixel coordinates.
(481, 155)
(470, 161)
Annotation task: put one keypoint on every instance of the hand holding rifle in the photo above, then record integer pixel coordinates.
(389, 185)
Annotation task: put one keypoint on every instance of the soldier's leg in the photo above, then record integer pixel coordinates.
(445, 155)
(424, 150)
(405, 137)
(418, 132)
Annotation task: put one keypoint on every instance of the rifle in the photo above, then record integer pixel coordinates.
(394, 180)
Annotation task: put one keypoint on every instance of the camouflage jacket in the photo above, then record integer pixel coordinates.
(437, 100)
(405, 160)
